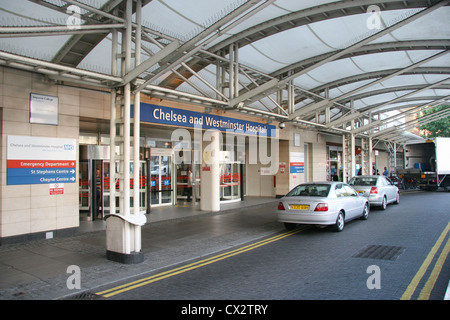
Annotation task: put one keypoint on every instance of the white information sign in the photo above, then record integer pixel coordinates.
(43, 109)
(38, 160)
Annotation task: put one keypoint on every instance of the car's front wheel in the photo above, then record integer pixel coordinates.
(397, 199)
(339, 225)
(365, 214)
(384, 203)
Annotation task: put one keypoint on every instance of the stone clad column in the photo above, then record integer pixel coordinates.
(210, 171)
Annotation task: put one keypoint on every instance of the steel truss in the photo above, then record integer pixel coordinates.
(181, 61)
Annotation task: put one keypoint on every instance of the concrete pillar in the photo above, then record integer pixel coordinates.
(210, 171)
(123, 229)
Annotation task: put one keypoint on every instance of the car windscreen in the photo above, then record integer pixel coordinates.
(310, 190)
(363, 181)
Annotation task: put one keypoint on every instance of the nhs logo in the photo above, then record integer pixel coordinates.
(69, 147)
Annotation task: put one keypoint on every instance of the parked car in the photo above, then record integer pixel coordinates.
(323, 204)
(379, 190)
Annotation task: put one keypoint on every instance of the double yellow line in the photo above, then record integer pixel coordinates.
(163, 275)
(429, 285)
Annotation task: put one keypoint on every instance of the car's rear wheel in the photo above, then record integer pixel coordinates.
(339, 225)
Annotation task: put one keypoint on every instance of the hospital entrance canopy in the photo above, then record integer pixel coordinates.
(361, 67)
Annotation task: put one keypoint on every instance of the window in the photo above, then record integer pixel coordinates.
(363, 181)
(349, 191)
(310, 190)
(340, 191)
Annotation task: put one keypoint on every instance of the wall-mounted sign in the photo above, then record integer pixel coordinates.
(56, 188)
(37, 160)
(43, 109)
(296, 162)
(185, 118)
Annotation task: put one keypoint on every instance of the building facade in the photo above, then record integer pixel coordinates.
(55, 173)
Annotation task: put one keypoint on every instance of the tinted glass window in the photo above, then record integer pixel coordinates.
(310, 190)
(388, 182)
(349, 191)
(340, 191)
(363, 181)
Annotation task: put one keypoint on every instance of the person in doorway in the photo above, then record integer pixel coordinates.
(385, 172)
(189, 186)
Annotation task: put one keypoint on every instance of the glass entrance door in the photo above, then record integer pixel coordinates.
(161, 180)
(230, 181)
(142, 186)
(94, 188)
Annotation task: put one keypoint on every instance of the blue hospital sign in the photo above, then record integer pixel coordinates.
(38, 160)
(185, 118)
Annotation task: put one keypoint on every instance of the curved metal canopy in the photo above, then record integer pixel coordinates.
(348, 66)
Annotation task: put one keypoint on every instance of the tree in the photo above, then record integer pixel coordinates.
(438, 128)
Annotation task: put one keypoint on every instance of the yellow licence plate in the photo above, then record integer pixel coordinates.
(299, 207)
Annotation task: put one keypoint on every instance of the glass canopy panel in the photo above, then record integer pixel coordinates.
(340, 33)
(432, 92)
(334, 70)
(99, 59)
(439, 62)
(293, 6)
(23, 13)
(307, 82)
(336, 92)
(160, 16)
(431, 26)
(286, 47)
(275, 10)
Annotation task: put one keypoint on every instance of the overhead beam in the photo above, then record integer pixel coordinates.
(369, 109)
(353, 47)
(205, 37)
(348, 95)
(157, 57)
(394, 74)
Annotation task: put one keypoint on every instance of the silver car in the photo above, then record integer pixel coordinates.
(379, 190)
(323, 204)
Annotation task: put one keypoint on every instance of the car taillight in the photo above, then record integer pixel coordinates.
(374, 190)
(321, 207)
(280, 206)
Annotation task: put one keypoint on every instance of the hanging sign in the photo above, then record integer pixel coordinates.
(185, 118)
(38, 160)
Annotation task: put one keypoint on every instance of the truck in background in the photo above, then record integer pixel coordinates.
(427, 164)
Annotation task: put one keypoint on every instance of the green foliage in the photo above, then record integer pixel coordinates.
(438, 128)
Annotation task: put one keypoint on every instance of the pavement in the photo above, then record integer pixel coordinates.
(41, 270)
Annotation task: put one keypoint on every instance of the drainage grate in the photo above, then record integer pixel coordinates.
(87, 295)
(380, 252)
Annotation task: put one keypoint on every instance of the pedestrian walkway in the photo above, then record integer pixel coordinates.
(38, 269)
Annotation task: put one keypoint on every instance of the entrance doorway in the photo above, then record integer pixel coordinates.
(94, 186)
(334, 163)
(161, 181)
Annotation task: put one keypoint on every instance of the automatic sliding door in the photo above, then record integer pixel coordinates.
(154, 180)
(166, 180)
(230, 181)
(161, 180)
